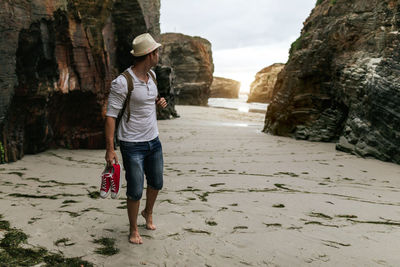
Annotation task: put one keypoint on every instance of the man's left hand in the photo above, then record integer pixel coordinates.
(161, 102)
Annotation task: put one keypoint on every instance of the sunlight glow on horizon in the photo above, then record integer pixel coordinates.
(242, 64)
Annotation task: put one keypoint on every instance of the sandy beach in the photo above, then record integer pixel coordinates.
(232, 196)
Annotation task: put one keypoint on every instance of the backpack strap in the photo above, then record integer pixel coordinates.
(129, 80)
(153, 77)
(155, 81)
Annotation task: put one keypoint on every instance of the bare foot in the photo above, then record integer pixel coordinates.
(135, 238)
(149, 220)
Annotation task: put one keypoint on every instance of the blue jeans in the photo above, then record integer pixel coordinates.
(142, 158)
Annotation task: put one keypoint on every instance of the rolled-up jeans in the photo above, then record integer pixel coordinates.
(142, 159)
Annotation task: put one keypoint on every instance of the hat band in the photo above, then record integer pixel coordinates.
(147, 51)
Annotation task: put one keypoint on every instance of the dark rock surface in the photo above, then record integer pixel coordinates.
(342, 80)
(224, 88)
(165, 82)
(262, 88)
(57, 60)
(191, 59)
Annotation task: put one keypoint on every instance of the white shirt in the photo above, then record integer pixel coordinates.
(142, 125)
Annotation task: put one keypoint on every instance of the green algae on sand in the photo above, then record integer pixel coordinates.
(12, 254)
(107, 248)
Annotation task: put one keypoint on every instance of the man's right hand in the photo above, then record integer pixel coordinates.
(111, 157)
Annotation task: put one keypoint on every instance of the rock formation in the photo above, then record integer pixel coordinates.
(342, 79)
(262, 87)
(224, 88)
(165, 81)
(191, 59)
(57, 60)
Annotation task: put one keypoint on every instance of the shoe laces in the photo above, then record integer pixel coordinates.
(112, 185)
(106, 175)
(112, 180)
(104, 182)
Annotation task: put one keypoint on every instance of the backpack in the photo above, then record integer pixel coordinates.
(129, 81)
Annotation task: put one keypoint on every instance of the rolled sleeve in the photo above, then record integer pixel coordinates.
(116, 98)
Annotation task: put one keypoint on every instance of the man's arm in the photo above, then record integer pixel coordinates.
(111, 156)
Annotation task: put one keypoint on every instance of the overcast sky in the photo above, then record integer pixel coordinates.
(246, 35)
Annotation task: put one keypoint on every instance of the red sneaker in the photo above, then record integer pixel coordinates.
(115, 180)
(105, 182)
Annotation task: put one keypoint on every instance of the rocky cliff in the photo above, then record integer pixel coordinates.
(262, 88)
(342, 81)
(224, 88)
(165, 85)
(191, 59)
(57, 60)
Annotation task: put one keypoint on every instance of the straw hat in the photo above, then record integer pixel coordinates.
(143, 45)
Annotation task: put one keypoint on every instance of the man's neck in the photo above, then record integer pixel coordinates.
(141, 71)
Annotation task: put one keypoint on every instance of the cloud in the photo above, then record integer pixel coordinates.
(252, 57)
(246, 35)
(236, 23)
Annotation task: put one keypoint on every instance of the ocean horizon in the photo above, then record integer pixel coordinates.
(239, 104)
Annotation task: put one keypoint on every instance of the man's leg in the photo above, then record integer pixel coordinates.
(133, 210)
(153, 167)
(133, 157)
(147, 213)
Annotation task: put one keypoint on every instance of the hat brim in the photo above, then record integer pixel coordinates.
(148, 51)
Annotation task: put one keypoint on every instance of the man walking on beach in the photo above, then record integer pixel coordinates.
(137, 131)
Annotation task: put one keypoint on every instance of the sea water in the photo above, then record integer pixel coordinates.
(239, 104)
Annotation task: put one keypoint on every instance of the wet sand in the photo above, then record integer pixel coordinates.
(232, 196)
